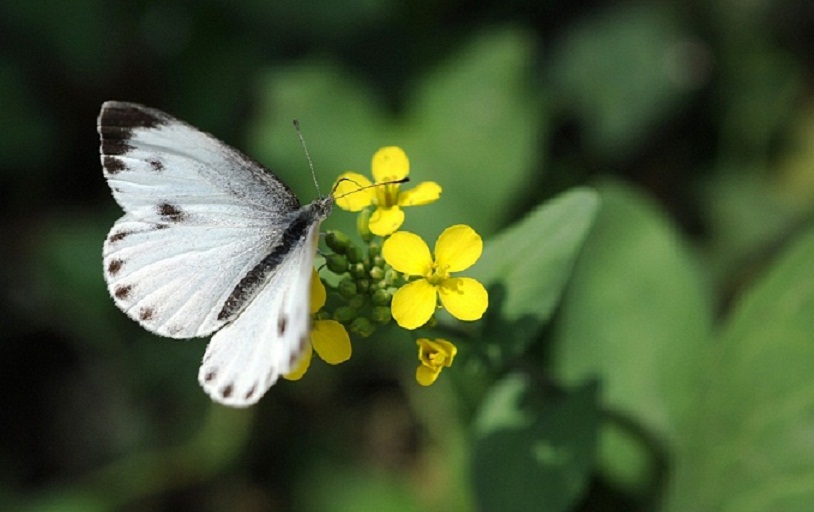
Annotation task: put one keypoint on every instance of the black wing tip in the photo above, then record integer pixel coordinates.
(126, 115)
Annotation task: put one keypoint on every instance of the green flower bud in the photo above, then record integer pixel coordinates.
(381, 297)
(374, 249)
(363, 327)
(354, 254)
(390, 276)
(380, 314)
(357, 270)
(363, 285)
(363, 225)
(344, 314)
(378, 261)
(337, 241)
(376, 273)
(357, 302)
(347, 288)
(336, 263)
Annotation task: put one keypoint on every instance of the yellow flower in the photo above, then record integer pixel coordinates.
(434, 356)
(328, 337)
(389, 164)
(458, 248)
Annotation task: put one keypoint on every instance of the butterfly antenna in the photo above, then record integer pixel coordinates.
(307, 156)
(393, 182)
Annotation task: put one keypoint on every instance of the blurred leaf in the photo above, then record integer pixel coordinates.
(144, 474)
(350, 489)
(623, 71)
(65, 32)
(751, 448)
(527, 266)
(759, 88)
(68, 278)
(533, 452)
(472, 127)
(636, 316)
(27, 133)
(747, 214)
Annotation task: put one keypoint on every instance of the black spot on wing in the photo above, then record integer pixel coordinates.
(115, 146)
(156, 165)
(170, 212)
(115, 237)
(114, 266)
(122, 292)
(281, 324)
(113, 165)
(250, 392)
(146, 314)
(227, 391)
(297, 353)
(210, 375)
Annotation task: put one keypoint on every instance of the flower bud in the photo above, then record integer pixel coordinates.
(363, 225)
(363, 327)
(344, 314)
(336, 263)
(337, 241)
(354, 254)
(381, 297)
(357, 302)
(376, 273)
(347, 288)
(380, 314)
(357, 270)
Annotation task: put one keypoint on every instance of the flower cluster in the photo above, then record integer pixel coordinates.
(394, 275)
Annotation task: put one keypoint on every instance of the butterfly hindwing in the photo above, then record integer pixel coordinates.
(266, 340)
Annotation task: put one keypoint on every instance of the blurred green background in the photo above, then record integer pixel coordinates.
(684, 336)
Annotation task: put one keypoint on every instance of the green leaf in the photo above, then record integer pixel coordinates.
(527, 266)
(623, 71)
(751, 448)
(533, 452)
(637, 317)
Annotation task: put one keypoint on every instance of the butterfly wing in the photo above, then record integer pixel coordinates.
(199, 216)
(246, 357)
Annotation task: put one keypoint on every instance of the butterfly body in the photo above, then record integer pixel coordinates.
(211, 242)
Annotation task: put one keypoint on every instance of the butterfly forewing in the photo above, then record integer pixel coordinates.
(210, 240)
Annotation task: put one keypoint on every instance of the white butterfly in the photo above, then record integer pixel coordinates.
(211, 242)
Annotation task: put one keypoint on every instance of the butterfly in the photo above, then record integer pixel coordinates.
(211, 243)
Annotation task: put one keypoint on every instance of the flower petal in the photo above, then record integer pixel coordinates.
(302, 365)
(318, 294)
(407, 253)
(464, 297)
(436, 353)
(413, 304)
(425, 193)
(331, 341)
(426, 375)
(386, 220)
(458, 248)
(347, 194)
(390, 164)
